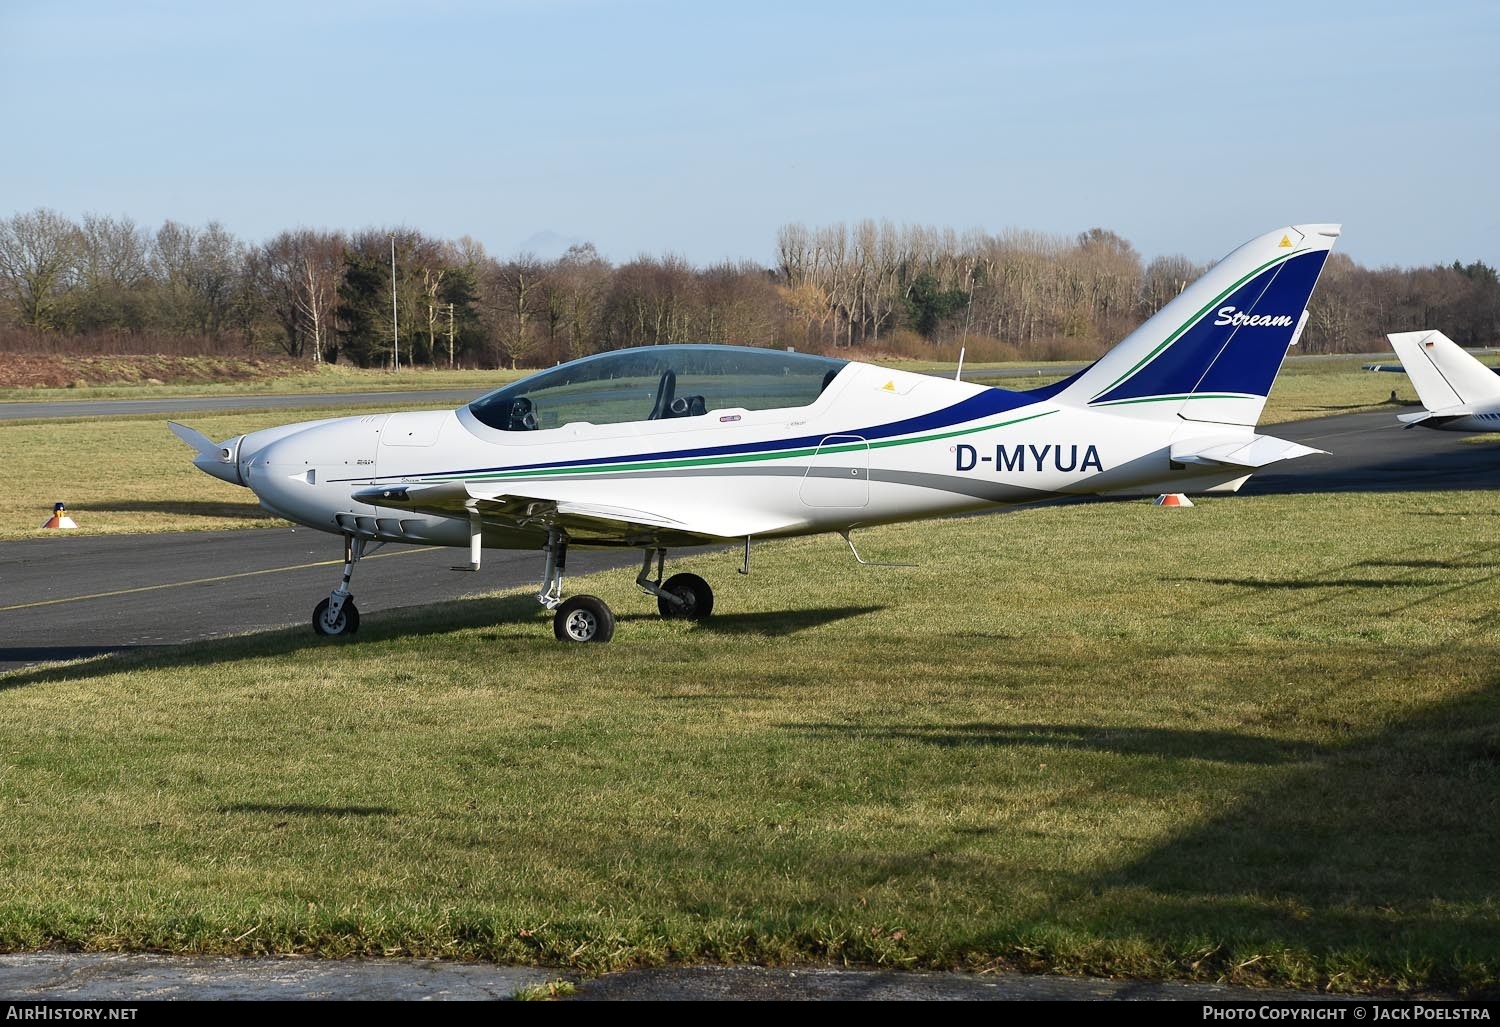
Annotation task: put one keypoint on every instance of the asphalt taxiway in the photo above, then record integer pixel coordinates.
(74, 596)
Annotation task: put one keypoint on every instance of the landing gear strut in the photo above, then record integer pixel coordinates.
(337, 615)
(589, 618)
(581, 618)
(681, 597)
(577, 619)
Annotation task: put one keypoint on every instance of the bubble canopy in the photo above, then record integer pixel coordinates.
(656, 383)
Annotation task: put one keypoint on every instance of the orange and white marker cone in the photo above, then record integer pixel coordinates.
(60, 518)
(1171, 499)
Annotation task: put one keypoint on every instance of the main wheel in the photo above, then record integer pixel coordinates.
(346, 623)
(697, 598)
(583, 619)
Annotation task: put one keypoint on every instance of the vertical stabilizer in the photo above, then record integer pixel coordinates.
(1442, 373)
(1212, 353)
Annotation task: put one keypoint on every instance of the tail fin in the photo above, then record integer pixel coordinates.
(1212, 353)
(1444, 375)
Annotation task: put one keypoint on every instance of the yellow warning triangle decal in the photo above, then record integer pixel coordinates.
(1285, 241)
(889, 386)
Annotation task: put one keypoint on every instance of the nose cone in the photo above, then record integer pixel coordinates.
(223, 461)
(308, 475)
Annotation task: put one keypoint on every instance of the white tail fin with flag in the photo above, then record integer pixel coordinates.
(1458, 391)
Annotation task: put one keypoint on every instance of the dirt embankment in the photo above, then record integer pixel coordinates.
(58, 371)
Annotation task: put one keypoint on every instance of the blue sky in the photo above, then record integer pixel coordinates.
(699, 128)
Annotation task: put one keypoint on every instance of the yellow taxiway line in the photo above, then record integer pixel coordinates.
(209, 581)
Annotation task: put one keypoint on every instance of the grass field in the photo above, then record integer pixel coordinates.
(1235, 743)
(330, 378)
(1240, 743)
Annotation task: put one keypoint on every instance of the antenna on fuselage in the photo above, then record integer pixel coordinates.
(958, 375)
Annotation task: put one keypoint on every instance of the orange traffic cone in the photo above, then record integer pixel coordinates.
(1171, 499)
(60, 518)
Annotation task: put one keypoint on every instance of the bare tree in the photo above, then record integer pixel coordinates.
(199, 272)
(513, 296)
(113, 275)
(38, 256)
(579, 285)
(1163, 279)
(297, 276)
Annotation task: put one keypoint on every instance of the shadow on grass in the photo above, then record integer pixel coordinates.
(52, 653)
(1370, 861)
(1307, 583)
(1218, 746)
(1444, 565)
(191, 508)
(303, 809)
(436, 619)
(1333, 409)
(785, 622)
(1387, 842)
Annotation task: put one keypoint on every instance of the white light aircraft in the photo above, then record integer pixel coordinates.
(1459, 392)
(672, 446)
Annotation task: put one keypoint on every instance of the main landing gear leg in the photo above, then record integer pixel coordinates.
(580, 619)
(680, 597)
(337, 615)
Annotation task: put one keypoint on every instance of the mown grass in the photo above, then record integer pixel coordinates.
(127, 475)
(1242, 742)
(330, 378)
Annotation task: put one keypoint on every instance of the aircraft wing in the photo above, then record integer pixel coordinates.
(585, 522)
(1259, 451)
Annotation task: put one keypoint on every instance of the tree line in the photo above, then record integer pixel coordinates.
(380, 297)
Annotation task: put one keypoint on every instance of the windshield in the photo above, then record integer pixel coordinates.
(655, 383)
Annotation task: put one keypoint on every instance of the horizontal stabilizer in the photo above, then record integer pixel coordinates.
(1259, 451)
(1436, 418)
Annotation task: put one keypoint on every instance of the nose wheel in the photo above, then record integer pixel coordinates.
(332, 623)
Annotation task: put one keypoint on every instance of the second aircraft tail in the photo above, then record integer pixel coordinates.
(1445, 377)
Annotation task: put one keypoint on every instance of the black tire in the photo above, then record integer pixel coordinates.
(697, 598)
(583, 619)
(346, 623)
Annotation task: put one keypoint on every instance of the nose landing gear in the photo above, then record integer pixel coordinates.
(337, 615)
